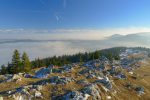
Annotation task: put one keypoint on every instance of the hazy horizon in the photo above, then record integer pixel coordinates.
(47, 47)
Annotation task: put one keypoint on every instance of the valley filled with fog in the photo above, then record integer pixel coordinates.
(41, 46)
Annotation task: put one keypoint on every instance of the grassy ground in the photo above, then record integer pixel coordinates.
(123, 93)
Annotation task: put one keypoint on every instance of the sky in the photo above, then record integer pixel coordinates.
(74, 14)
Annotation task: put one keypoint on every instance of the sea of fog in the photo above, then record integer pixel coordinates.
(42, 44)
(46, 48)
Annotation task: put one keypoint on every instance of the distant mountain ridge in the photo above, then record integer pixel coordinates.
(115, 36)
(136, 37)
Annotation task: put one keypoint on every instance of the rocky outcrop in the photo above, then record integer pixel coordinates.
(72, 95)
(105, 82)
(92, 90)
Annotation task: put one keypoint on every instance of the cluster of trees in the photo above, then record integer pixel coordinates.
(18, 64)
(22, 64)
(112, 53)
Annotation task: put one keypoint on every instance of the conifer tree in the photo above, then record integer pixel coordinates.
(3, 70)
(26, 62)
(16, 62)
(80, 57)
(96, 55)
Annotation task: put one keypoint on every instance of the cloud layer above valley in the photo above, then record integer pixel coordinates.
(68, 34)
(61, 41)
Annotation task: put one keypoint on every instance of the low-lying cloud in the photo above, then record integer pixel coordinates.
(67, 34)
(45, 43)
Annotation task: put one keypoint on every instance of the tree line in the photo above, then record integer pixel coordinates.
(112, 53)
(23, 64)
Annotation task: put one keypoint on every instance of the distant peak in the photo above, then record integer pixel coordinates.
(116, 36)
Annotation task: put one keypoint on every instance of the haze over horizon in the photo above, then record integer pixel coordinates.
(47, 20)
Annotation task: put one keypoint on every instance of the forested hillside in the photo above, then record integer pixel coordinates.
(23, 64)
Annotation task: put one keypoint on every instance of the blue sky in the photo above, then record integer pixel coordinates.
(74, 14)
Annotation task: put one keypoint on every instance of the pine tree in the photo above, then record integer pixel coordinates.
(96, 55)
(16, 62)
(26, 62)
(3, 70)
(110, 56)
(80, 57)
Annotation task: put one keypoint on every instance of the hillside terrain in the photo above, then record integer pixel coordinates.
(126, 78)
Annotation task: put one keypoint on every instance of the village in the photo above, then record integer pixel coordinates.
(99, 79)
